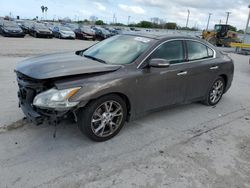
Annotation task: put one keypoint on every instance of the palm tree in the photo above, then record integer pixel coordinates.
(46, 9)
(43, 8)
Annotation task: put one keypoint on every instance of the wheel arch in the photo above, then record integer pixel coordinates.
(123, 96)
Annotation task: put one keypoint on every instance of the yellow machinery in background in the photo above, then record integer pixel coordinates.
(221, 36)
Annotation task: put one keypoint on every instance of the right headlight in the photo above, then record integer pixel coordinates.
(56, 99)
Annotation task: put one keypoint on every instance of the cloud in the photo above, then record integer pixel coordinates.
(198, 4)
(100, 6)
(176, 11)
(132, 9)
(168, 10)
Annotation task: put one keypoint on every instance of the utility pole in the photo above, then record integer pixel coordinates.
(114, 17)
(248, 19)
(187, 18)
(129, 19)
(228, 13)
(209, 16)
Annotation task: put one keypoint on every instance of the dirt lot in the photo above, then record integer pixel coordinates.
(187, 146)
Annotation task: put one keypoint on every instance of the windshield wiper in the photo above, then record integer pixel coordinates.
(95, 58)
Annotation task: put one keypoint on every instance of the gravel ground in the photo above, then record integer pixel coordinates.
(186, 146)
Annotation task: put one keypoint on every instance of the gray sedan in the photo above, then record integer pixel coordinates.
(121, 78)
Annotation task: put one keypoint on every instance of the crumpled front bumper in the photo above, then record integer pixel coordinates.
(39, 116)
(32, 115)
(28, 89)
(25, 97)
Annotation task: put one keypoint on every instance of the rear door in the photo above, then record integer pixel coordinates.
(201, 68)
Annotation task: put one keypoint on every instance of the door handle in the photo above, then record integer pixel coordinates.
(214, 68)
(182, 73)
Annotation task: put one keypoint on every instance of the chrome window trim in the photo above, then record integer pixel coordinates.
(180, 39)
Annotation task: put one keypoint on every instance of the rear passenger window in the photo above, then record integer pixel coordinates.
(198, 51)
(171, 51)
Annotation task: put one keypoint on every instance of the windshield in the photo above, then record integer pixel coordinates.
(65, 29)
(104, 31)
(40, 26)
(86, 29)
(27, 24)
(121, 49)
(72, 26)
(217, 28)
(10, 24)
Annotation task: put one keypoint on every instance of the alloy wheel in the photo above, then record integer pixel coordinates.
(216, 91)
(107, 118)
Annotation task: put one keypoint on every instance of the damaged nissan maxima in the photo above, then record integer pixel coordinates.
(121, 78)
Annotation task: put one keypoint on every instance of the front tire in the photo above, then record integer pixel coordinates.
(103, 118)
(215, 93)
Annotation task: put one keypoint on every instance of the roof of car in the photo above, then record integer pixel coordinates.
(159, 35)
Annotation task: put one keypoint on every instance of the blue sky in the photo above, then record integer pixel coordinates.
(170, 11)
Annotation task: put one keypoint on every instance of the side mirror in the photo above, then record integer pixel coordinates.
(159, 63)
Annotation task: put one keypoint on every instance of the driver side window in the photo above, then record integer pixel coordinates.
(171, 51)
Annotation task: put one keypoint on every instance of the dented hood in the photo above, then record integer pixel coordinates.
(60, 65)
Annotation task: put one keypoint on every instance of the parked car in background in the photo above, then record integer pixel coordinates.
(19, 22)
(26, 26)
(85, 32)
(101, 33)
(112, 31)
(11, 29)
(63, 32)
(40, 30)
(122, 78)
(72, 26)
(50, 25)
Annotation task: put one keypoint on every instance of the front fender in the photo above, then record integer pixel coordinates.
(92, 91)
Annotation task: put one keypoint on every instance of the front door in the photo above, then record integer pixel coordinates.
(163, 86)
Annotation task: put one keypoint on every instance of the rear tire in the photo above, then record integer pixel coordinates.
(103, 118)
(212, 40)
(215, 93)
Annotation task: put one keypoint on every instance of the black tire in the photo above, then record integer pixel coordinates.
(212, 40)
(35, 35)
(86, 118)
(209, 99)
(60, 36)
